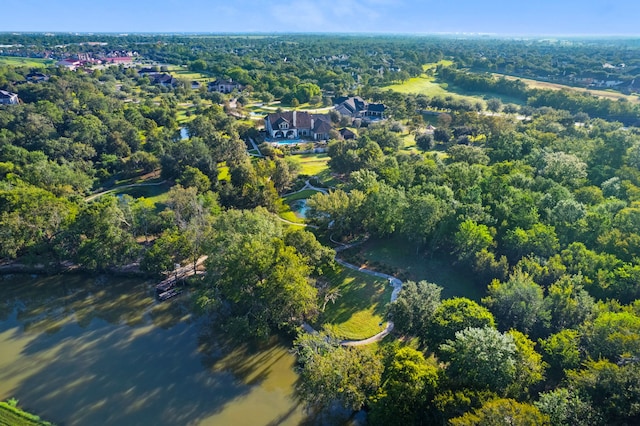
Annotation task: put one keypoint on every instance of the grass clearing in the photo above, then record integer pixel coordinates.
(302, 195)
(312, 164)
(545, 85)
(359, 312)
(10, 414)
(18, 61)
(291, 216)
(397, 257)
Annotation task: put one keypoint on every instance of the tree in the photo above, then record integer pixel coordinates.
(317, 256)
(193, 177)
(414, 307)
(102, 237)
(540, 240)
(612, 335)
(425, 141)
(262, 282)
(408, 383)
(568, 303)
(494, 105)
(503, 412)
(421, 217)
(564, 407)
(530, 368)
(481, 358)
(566, 169)
(562, 352)
(471, 238)
(454, 315)
(329, 373)
(611, 389)
(517, 303)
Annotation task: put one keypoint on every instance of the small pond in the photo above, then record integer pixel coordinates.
(300, 208)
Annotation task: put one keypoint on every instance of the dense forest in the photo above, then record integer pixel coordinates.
(538, 199)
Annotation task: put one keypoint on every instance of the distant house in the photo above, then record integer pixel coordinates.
(356, 107)
(195, 85)
(164, 80)
(147, 71)
(8, 98)
(37, 77)
(225, 86)
(297, 124)
(347, 134)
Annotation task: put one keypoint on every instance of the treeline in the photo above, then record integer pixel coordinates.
(569, 100)
(77, 133)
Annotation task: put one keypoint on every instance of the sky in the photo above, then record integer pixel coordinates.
(502, 17)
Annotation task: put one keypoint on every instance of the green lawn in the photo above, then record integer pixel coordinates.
(13, 416)
(312, 164)
(299, 195)
(427, 84)
(423, 85)
(397, 257)
(359, 311)
(17, 61)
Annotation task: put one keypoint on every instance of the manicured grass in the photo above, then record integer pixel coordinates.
(409, 141)
(12, 415)
(18, 61)
(189, 75)
(157, 194)
(290, 216)
(423, 85)
(312, 164)
(537, 84)
(398, 257)
(299, 195)
(359, 311)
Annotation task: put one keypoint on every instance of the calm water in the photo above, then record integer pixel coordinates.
(87, 351)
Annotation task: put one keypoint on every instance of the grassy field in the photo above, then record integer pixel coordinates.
(423, 85)
(400, 258)
(17, 61)
(157, 193)
(427, 84)
(312, 164)
(359, 311)
(299, 195)
(13, 416)
(537, 84)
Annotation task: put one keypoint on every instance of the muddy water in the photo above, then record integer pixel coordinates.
(84, 351)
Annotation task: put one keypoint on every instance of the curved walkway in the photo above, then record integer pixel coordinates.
(393, 281)
(131, 185)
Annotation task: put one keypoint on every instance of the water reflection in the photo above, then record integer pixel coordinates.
(82, 351)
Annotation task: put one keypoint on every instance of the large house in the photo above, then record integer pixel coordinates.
(37, 77)
(356, 107)
(8, 98)
(225, 86)
(297, 124)
(165, 80)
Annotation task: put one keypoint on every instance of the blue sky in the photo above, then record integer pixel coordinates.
(507, 17)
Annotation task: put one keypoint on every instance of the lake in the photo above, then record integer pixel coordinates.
(80, 350)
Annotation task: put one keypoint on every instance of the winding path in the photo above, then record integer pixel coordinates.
(131, 185)
(393, 281)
